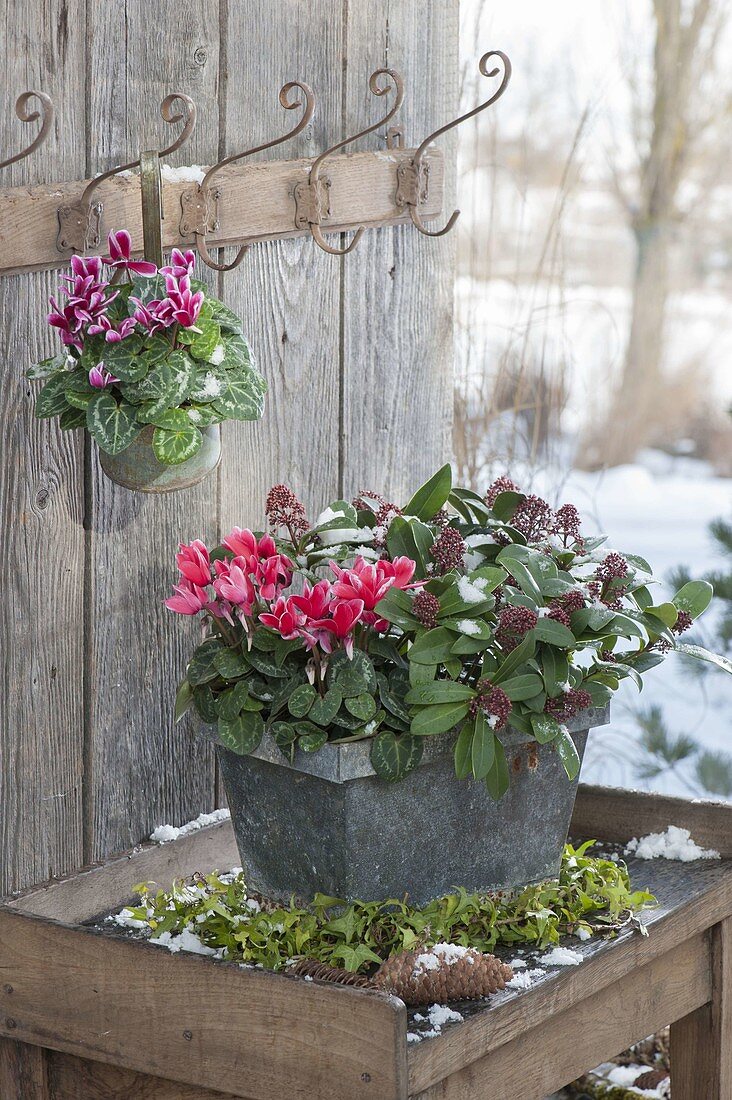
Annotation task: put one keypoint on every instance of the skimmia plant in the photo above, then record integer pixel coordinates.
(483, 616)
(154, 349)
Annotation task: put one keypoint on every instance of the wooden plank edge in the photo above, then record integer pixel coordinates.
(610, 813)
(480, 1035)
(101, 887)
(83, 967)
(28, 215)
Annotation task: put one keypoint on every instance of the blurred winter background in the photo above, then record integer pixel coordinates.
(594, 322)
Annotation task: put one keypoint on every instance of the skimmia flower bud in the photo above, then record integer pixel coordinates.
(514, 623)
(448, 550)
(500, 485)
(426, 607)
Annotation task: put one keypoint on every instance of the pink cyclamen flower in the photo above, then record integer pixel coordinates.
(189, 599)
(194, 562)
(244, 543)
(314, 600)
(64, 318)
(185, 305)
(99, 378)
(370, 583)
(112, 335)
(234, 584)
(343, 617)
(181, 263)
(87, 267)
(271, 575)
(120, 252)
(284, 617)
(151, 315)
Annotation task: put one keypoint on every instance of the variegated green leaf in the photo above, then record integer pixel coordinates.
(113, 426)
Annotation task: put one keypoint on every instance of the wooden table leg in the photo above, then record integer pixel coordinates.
(23, 1072)
(701, 1043)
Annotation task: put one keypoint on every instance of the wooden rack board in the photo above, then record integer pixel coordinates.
(80, 1009)
(256, 203)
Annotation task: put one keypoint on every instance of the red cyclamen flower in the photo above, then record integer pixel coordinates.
(370, 583)
(184, 304)
(194, 562)
(233, 583)
(99, 377)
(189, 599)
(285, 618)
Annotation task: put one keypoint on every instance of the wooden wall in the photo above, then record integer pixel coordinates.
(357, 353)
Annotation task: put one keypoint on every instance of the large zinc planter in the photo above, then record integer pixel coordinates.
(327, 823)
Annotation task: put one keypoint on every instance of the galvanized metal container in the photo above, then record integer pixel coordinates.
(137, 467)
(327, 823)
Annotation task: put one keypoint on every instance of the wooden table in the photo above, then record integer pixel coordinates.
(87, 1016)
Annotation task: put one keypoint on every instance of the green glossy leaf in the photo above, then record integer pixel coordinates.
(230, 664)
(412, 539)
(283, 734)
(432, 647)
(568, 754)
(545, 728)
(72, 418)
(702, 654)
(549, 630)
(483, 749)
(47, 367)
(438, 691)
(183, 699)
(233, 701)
(205, 342)
(431, 497)
(113, 426)
(173, 447)
(361, 706)
(313, 739)
(208, 384)
(301, 700)
(464, 751)
(694, 597)
(205, 703)
(124, 360)
(324, 709)
(523, 652)
(497, 780)
(51, 401)
(396, 607)
(393, 757)
(667, 612)
(475, 629)
(506, 504)
(522, 687)
(243, 734)
(438, 718)
(243, 398)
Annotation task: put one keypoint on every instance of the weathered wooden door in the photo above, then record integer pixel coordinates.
(357, 354)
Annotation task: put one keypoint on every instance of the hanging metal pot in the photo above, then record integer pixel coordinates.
(138, 468)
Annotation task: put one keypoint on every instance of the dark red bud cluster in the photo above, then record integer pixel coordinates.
(448, 550)
(283, 509)
(426, 608)
(570, 703)
(492, 701)
(533, 518)
(514, 623)
(683, 622)
(500, 485)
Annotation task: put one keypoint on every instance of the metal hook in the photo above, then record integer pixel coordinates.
(25, 115)
(312, 202)
(198, 216)
(79, 224)
(413, 176)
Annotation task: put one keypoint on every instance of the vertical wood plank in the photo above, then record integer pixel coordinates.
(23, 1072)
(287, 292)
(41, 489)
(701, 1043)
(141, 769)
(397, 293)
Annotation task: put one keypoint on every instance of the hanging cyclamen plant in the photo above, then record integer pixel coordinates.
(154, 358)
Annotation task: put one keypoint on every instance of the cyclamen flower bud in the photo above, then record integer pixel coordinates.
(448, 550)
(514, 623)
(425, 608)
(500, 485)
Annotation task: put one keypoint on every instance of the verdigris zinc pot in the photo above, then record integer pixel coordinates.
(137, 467)
(327, 823)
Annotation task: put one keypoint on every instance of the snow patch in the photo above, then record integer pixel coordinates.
(447, 953)
(472, 591)
(562, 956)
(187, 173)
(675, 843)
(525, 978)
(165, 833)
(218, 355)
(468, 626)
(186, 941)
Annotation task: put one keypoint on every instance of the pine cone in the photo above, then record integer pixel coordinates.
(651, 1079)
(443, 973)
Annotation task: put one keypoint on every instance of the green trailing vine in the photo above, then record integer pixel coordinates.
(592, 894)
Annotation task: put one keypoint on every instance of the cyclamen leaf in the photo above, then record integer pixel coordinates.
(113, 426)
(47, 367)
(393, 757)
(202, 667)
(301, 700)
(243, 398)
(174, 447)
(72, 418)
(51, 401)
(183, 699)
(204, 343)
(243, 734)
(230, 664)
(361, 706)
(124, 359)
(313, 740)
(324, 709)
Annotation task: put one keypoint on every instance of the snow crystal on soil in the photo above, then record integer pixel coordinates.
(165, 833)
(525, 978)
(562, 956)
(675, 843)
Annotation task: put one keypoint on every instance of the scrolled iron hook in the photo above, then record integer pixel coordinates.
(410, 196)
(203, 190)
(25, 114)
(395, 83)
(86, 212)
